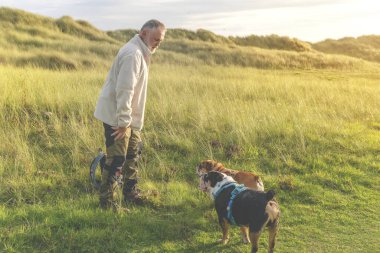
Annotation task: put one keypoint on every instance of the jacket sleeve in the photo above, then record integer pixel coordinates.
(126, 82)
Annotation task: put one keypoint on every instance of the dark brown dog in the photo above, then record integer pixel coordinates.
(249, 179)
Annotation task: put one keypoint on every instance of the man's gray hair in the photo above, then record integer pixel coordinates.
(153, 23)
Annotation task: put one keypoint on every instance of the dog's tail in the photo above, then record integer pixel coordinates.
(270, 194)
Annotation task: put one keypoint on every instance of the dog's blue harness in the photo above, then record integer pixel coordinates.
(238, 189)
(216, 194)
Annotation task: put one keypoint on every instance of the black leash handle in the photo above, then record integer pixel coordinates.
(98, 161)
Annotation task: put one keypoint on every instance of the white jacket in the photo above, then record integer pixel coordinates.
(122, 100)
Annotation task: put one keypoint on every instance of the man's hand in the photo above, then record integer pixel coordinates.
(119, 132)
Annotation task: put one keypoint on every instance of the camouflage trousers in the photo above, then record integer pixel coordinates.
(122, 158)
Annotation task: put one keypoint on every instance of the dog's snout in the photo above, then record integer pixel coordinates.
(202, 186)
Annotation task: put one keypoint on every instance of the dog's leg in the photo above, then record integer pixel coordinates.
(255, 241)
(224, 225)
(245, 234)
(273, 229)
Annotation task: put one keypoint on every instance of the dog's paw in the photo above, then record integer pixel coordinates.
(223, 241)
(246, 240)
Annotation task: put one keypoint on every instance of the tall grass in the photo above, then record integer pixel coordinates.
(312, 135)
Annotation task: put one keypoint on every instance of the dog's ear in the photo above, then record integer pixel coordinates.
(214, 177)
(209, 165)
(218, 166)
(270, 194)
(219, 176)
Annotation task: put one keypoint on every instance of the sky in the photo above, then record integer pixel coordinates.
(308, 20)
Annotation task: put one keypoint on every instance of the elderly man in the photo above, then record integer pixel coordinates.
(121, 108)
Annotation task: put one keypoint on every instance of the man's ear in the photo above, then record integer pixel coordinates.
(143, 33)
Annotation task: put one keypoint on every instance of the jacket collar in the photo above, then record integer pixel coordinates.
(140, 43)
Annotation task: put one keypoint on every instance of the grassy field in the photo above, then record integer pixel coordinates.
(305, 117)
(313, 136)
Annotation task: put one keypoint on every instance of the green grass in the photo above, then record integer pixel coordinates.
(312, 135)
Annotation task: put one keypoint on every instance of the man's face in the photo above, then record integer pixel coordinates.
(153, 37)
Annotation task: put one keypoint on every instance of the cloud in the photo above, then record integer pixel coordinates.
(312, 23)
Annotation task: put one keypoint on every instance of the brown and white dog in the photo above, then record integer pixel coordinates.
(249, 179)
(250, 208)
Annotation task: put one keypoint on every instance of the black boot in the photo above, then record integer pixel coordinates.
(131, 193)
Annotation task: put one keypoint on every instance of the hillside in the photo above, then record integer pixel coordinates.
(363, 47)
(33, 40)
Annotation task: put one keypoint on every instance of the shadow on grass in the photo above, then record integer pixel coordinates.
(183, 220)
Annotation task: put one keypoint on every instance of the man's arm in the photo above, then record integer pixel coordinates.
(126, 82)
